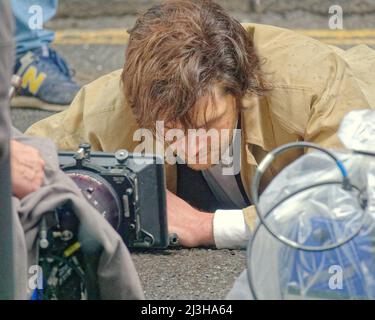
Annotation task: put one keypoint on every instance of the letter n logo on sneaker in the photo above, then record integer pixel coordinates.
(32, 80)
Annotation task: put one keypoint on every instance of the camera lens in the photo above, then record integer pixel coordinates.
(100, 194)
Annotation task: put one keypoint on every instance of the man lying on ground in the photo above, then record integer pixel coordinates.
(189, 65)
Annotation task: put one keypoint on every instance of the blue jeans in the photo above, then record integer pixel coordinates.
(31, 38)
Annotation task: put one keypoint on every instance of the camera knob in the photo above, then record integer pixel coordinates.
(121, 156)
(83, 152)
(86, 147)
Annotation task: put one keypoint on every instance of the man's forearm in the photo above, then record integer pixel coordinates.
(205, 230)
(224, 229)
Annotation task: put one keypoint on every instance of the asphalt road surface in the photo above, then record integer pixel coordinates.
(93, 51)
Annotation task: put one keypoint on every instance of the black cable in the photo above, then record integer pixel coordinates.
(69, 264)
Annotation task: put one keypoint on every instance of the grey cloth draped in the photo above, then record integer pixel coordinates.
(7, 274)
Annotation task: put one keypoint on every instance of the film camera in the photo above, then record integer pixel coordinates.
(127, 189)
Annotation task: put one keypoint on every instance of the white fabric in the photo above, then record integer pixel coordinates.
(230, 229)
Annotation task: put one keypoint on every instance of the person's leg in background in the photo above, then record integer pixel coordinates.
(32, 38)
(7, 274)
(46, 79)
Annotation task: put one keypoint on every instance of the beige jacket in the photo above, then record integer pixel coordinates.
(313, 87)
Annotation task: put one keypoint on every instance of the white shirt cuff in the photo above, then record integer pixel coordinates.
(230, 229)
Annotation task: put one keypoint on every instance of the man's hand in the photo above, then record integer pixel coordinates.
(194, 228)
(27, 169)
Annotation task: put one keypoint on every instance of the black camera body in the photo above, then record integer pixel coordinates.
(127, 189)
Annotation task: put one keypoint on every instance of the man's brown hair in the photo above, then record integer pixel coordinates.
(177, 52)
